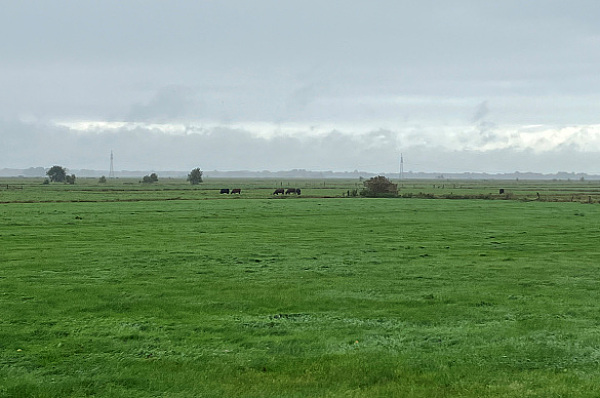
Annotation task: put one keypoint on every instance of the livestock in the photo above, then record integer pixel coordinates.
(225, 190)
(279, 191)
(236, 190)
(293, 190)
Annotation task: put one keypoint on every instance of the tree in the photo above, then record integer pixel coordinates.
(102, 180)
(57, 174)
(70, 179)
(380, 186)
(195, 176)
(150, 179)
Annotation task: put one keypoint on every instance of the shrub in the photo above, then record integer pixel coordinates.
(380, 186)
(70, 179)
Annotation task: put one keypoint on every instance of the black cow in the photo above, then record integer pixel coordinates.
(236, 190)
(293, 190)
(225, 190)
(279, 191)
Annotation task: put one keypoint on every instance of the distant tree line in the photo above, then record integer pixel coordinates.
(59, 174)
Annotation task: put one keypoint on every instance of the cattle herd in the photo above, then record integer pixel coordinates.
(282, 191)
(235, 190)
(278, 191)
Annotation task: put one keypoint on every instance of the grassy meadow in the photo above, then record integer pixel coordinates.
(168, 290)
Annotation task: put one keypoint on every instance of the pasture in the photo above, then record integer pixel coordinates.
(168, 290)
(130, 189)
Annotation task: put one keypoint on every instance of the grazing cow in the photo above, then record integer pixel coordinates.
(225, 190)
(236, 190)
(279, 191)
(290, 190)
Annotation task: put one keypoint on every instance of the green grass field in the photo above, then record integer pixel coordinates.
(124, 290)
(124, 189)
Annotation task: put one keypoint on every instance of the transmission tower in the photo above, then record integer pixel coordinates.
(401, 168)
(111, 173)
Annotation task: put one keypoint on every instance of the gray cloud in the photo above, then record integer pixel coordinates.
(481, 111)
(169, 103)
(302, 97)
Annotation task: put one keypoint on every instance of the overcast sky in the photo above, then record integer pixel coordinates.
(462, 85)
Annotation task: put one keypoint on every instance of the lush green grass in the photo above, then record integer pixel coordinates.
(334, 297)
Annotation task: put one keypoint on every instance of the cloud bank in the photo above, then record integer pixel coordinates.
(185, 146)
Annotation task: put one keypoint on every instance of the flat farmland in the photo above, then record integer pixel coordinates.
(170, 292)
(131, 189)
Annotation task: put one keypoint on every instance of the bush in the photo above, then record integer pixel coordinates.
(380, 186)
(70, 179)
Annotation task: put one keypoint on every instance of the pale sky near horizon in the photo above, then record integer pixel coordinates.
(455, 86)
